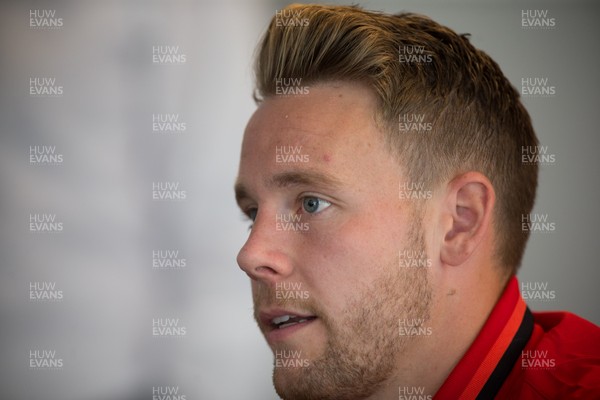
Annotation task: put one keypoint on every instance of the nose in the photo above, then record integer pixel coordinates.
(266, 254)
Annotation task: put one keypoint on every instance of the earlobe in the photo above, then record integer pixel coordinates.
(469, 204)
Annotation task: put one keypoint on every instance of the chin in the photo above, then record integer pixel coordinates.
(286, 383)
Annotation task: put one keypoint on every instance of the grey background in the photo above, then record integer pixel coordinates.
(101, 192)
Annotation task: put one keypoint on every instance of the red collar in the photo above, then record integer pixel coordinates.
(487, 363)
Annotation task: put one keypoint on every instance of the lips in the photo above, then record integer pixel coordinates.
(284, 321)
(277, 324)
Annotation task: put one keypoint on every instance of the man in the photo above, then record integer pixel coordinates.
(383, 176)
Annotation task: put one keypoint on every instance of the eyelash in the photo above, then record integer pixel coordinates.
(246, 216)
(248, 212)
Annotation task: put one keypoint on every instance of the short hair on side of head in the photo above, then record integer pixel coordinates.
(477, 121)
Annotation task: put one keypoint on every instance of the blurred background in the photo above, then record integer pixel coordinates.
(120, 129)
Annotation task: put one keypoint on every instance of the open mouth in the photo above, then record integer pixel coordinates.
(279, 325)
(287, 320)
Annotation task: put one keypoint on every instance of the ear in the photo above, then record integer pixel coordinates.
(467, 215)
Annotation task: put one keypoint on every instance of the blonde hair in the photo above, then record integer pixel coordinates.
(476, 118)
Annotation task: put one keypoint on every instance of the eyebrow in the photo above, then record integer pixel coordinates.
(289, 179)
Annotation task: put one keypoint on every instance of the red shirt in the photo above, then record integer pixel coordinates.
(524, 355)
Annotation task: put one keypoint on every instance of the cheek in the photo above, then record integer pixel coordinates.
(340, 263)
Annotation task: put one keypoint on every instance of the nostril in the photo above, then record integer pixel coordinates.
(265, 270)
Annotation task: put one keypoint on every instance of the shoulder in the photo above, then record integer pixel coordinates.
(562, 358)
(570, 335)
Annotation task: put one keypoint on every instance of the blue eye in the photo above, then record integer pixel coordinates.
(312, 204)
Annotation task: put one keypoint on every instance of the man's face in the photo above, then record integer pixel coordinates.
(325, 242)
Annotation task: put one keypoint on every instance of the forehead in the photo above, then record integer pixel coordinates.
(319, 127)
(327, 141)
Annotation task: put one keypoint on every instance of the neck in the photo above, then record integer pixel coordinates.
(461, 306)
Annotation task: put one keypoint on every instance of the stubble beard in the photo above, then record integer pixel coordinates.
(363, 343)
